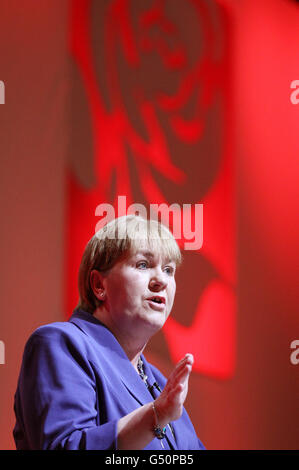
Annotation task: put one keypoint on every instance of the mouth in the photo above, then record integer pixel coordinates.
(158, 299)
(157, 302)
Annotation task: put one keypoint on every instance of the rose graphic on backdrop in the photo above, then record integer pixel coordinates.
(151, 122)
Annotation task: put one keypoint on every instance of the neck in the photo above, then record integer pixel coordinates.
(133, 346)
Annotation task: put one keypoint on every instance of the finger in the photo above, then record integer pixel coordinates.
(181, 378)
(179, 369)
(183, 374)
(187, 359)
(178, 394)
(180, 365)
(183, 384)
(176, 391)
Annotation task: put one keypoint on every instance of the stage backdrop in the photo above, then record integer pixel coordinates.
(181, 102)
(151, 122)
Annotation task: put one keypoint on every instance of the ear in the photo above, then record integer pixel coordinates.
(97, 285)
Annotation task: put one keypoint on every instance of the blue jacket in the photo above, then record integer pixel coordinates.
(76, 382)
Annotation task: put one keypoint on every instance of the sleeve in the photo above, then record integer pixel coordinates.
(200, 445)
(58, 396)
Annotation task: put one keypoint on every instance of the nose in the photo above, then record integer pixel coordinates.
(158, 281)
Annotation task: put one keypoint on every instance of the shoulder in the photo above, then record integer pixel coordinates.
(55, 330)
(58, 336)
(56, 349)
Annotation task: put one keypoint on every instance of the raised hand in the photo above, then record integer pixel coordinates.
(169, 404)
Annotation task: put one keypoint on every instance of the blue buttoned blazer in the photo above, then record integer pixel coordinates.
(76, 382)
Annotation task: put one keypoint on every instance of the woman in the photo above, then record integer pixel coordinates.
(85, 384)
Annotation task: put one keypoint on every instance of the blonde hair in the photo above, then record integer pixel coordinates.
(115, 241)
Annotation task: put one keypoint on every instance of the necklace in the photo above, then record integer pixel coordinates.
(141, 372)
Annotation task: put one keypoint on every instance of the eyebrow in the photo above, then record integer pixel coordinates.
(149, 254)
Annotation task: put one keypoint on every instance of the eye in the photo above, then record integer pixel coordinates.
(142, 264)
(169, 270)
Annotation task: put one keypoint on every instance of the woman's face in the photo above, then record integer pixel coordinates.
(139, 292)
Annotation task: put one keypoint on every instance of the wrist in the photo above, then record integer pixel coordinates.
(158, 430)
(161, 414)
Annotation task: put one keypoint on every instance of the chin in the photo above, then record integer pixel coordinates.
(154, 324)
